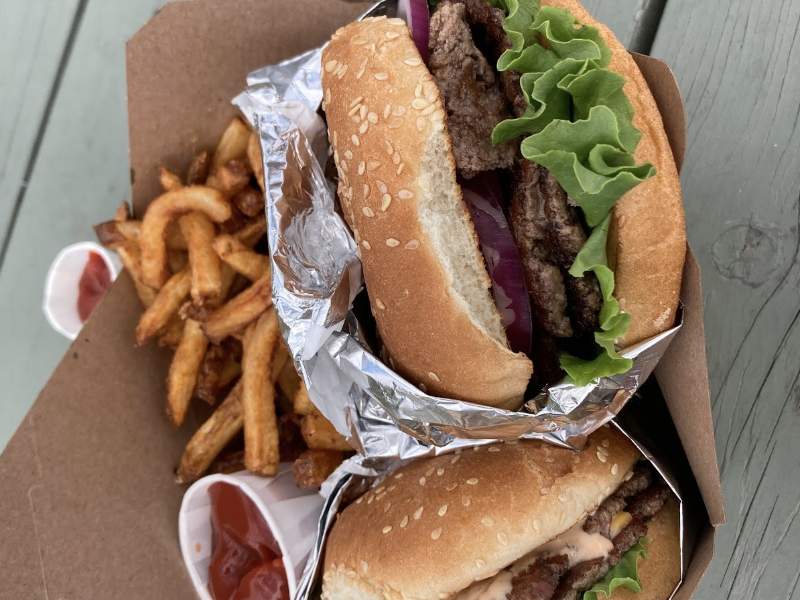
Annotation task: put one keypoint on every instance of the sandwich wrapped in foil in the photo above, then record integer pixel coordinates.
(317, 274)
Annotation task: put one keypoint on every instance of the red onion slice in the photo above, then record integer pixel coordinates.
(418, 16)
(482, 196)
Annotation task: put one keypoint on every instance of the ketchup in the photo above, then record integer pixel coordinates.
(94, 282)
(246, 562)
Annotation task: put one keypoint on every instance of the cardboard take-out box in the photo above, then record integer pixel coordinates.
(88, 506)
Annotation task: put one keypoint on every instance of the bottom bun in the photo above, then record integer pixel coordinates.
(660, 572)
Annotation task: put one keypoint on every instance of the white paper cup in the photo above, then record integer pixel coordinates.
(291, 513)
(60, 304)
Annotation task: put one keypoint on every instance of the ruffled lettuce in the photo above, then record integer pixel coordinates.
(578, 125)
(624, 573)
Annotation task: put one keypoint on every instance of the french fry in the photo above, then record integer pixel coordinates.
(129, 255)
(243, 259)
(112, 234)
(177, 259)
(198, 170)
(169, 180)
(288, 380)
(302, 403)
(231, 369)
(211, 438)
(172, 332)
(291, 440)
(228, 463)
(256, 161)
(165, 305)
(320, 434)
(123, 212)
(183, 371)
(239, 311)
(231, 177)
(160, 212)
(198, 230)
(261, 454)
(250, 201)
(208, 377)
(314, 466)
(232, 144)
(251, 233)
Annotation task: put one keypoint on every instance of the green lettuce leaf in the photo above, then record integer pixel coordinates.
(624, 573)
(578, 125)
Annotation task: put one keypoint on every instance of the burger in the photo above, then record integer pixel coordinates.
(505, 172)
(515, 521)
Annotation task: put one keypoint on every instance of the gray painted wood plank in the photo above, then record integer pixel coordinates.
(32, 39)
(737, 65)
(80, 176)
(632, 21)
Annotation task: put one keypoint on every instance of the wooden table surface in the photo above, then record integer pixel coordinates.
(64, 165)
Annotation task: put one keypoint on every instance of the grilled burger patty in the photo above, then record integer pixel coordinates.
(466, 39)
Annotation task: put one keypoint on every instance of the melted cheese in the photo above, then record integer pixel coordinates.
(575, 543)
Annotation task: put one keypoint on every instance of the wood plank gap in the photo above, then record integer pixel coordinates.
(647, 26)
(37, 142)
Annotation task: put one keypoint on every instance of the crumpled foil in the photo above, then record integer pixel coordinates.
(352, 479)
(317, 274)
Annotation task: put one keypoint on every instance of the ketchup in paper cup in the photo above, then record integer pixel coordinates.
(246, 537)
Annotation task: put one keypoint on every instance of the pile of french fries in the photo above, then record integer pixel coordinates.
(198, 262)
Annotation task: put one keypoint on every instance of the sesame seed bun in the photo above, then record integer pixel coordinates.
(438, 524)
(423, 267)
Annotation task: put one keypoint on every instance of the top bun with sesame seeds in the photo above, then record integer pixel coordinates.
(424, 271)
(433, 528)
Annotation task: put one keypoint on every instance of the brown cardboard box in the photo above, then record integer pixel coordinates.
(88, 507)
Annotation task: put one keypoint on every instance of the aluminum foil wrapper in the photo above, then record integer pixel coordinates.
(317, 274)
(352, 479)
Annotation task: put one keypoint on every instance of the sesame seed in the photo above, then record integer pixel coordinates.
(372, 117)
(436, 533)
(457, 457)
(370, 499)
(399, 111)
(400, 168)
(544, 491)
(366, 191)
(366, 245)
(356, 102)
(405, 194)
(605, 443)
(342, 71)
(396, 123)
(419, 103)
(355, 140)
(389, 147)
(420, 123)
(364, 566)
(443, 510)
(335, 137)
(488, 521)
(562, 497)
(343, 165)
(433, 376)
(479, 563)
(603, 450)
(422, 387)
(494, 449)
(362, 112)
(360, 72)
(443, 595)
(429, 110)
(418, 513)
(381, 76)
(328, 95)
(501, 537)
(387, 507)
(392, 243)
(472, 481)
(440, 472)
(396, 21)
(451, 486)
(360, 500)
(404, 522)
(424, 183)
(353, 110)
(362, 167)
(465, 500)
(348, 155)
(537, 525)
(614, 469)
(373, 164)
(549, 459)
(396, 158)
(601, 457)
(359, 41)
(413, 62)
(430, 471)
(628, 475)
(364, 127)
(392, 35)
(387, 529)
(379, 303)
(418, 91)
(391, 362)
(386, 111)
(370, 47)
(367, 211)
(398, 475)
(330, 65)
(381, 186)
(380, 496)
(422, 480)
(391, 487)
